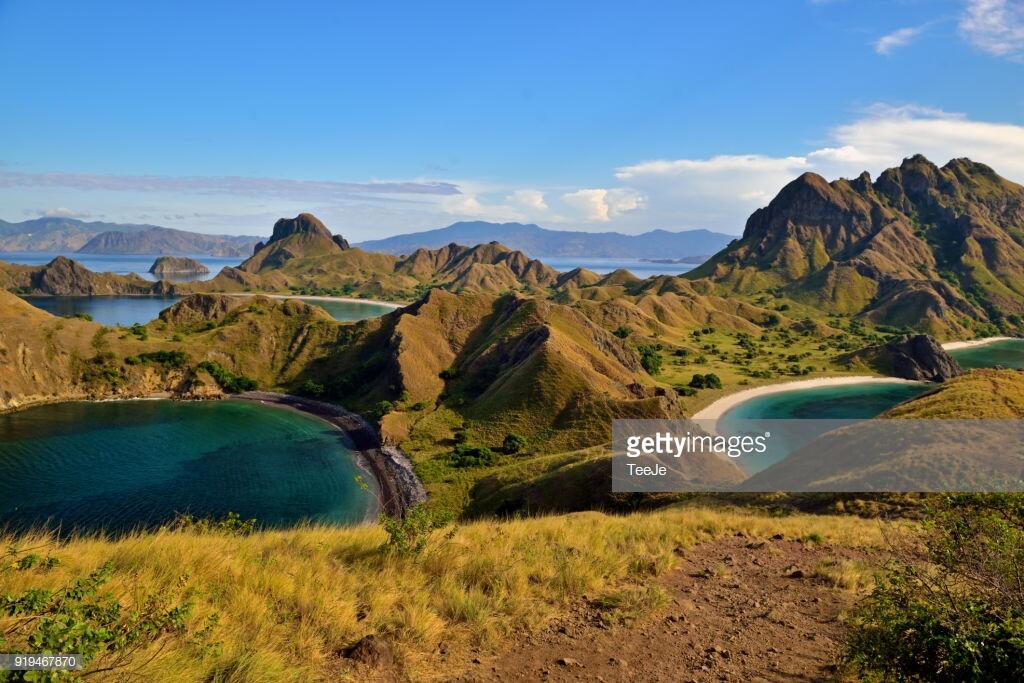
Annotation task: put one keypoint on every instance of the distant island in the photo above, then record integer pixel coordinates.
(56, 234)
(177, 265)
(686, 259)
(537, 242)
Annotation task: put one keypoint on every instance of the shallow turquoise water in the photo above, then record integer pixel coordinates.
(848, 401)
(121, 464)
(128, 310)
(801, 407)
(1009, 353)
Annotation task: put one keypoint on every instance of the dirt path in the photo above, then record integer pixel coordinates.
(739, 610)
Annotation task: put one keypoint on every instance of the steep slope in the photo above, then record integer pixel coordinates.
(936, 249)
(293, 238)
(541, 242)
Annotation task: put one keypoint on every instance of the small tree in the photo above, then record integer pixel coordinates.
(311, 388)
(409, 535)
(513, 443)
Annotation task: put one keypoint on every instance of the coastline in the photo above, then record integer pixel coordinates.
(397, 484)
(343, 299)
(953, 346)
(718, 408)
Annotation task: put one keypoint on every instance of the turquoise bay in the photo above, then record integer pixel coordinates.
(119, 465)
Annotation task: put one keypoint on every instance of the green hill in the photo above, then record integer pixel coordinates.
(940, 250)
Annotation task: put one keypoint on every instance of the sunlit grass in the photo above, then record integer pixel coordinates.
(288, 601)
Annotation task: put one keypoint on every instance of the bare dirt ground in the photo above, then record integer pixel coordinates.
(739, 609)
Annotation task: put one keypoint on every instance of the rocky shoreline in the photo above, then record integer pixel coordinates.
(400, 488)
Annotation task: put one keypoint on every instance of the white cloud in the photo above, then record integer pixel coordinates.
(898, 38)
(995, 27)
(315, 190)
(62, 212)
(721, 191)
(529, 199)
(602, 205)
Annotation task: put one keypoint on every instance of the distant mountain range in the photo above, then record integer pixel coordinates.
(71, 235)
(540, 242)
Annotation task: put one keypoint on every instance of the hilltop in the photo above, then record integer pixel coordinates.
(939, 250)
(98, 237)
(539, 242)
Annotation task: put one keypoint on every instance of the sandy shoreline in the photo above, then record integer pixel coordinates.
(953, 346)
(344, 299)
(722, 405)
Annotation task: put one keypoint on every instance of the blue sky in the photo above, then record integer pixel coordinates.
(390, 117)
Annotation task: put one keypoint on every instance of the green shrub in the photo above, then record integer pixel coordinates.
(650, 359)
(409, 535)
(382, 409)
(81, 316)
(311, 388)
(466, 455)
(81, 618)
(622, 332)
(513, 443)
(177, 337)
(958, 615)
(228, 381)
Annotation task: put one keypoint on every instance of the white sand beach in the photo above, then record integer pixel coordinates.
(719, 407)
(952, 346)
(347, 299)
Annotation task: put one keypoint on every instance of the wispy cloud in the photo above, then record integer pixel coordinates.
(897, 39)
(285, 188)
(995, 27)
(59, 212)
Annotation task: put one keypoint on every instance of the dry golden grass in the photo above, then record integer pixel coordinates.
(289, 600)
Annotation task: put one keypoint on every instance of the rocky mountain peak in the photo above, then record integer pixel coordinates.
(303, 224)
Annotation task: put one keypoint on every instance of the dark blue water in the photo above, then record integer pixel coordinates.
(117, 465)
(128, 310)
(122, 264)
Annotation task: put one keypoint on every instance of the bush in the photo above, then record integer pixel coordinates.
(622, 332)
(959, 615)
(685, 391)
(81, 316)
(311, 388)
(513, 443)
(410, 535)
(650, 359)
(168, 359)
(466, 455)
(382, 409)
(228, 381)
(80, 618)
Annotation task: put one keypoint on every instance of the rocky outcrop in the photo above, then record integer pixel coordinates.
(199, 308)
(65, 277)
(293, 238)
(917, 357)
(923, 246)
(177, 265)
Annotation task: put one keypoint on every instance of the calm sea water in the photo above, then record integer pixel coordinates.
(641, 269)
(128, 310)
(844, 402)
(121, 464)
(120, 264)
(1009, 353)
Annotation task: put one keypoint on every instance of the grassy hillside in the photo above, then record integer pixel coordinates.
(936, 249)
(980, 394)
(283, 605)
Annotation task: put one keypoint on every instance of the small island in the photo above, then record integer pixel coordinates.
(177, 265)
